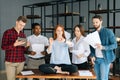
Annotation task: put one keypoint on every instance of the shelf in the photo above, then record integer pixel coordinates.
(54, 2)
(42, 4)
(64, 14)
(99, 11)
(104, 11)
(38, 5)
(69, 1)
(33, 16)
(116, 10)
(55, 14)
(117, 27)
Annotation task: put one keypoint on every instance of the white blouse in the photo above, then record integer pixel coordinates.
(39, 40)
(80, 47)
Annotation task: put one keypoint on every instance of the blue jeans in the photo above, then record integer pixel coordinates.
(101, 69)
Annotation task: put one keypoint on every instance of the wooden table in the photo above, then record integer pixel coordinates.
(38, 74)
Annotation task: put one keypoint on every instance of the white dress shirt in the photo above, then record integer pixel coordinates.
(80, 47)
(40, 41)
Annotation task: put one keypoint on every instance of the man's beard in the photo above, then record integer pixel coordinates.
(97, 27)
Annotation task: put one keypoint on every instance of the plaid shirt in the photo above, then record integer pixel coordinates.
(13, 54)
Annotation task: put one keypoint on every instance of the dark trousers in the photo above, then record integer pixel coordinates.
(83, 66)
(49, 68)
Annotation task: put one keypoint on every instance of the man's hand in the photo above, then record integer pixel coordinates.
(43, 53)
(19, 42)
(93, 60)
(32, 53)
(99, 46)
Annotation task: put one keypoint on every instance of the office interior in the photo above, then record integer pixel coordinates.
(66, 12)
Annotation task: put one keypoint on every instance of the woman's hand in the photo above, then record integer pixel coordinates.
(50, 45)
(80, 55)
(51, 40)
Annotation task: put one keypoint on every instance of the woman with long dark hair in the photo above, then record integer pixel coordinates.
(80, 51)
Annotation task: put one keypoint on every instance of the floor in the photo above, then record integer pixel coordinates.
(2, 76)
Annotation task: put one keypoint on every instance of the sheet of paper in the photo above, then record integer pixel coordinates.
(38, 48)
(92, 39)
(85, 73)
(27, 73)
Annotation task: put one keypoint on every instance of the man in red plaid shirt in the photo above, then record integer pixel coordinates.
(14, 49)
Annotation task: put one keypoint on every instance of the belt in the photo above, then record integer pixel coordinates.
(37, 58)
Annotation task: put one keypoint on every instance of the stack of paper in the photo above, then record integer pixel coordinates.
(85, 73)
(38, 48)
(93, 39)
(27, 73)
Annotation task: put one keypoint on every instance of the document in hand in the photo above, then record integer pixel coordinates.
(38, 48)
(92, 39)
